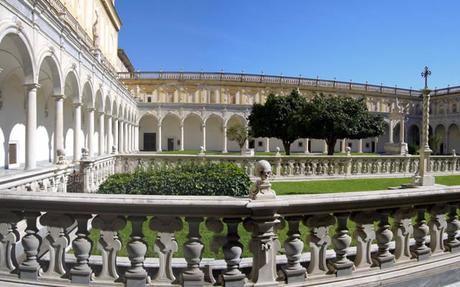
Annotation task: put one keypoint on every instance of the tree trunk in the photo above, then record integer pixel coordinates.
(287, 147)
(330, 146)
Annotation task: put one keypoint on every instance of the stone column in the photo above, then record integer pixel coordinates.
(402, 133)
(324, 146)
(76, 132)
(31, 125)
(306, 149)
(182, 136)
(109, 134)
(391, 132)
(101, 133)
(90, 130)
(360, 146)
(343, 146)
(267, 144)
(225, 149)
(132, 138)
(159, 149)
(136, 137)
(121, 141)
(129, 133)
(59, 126)
(126, 136)
(115, 135)
(204, 136)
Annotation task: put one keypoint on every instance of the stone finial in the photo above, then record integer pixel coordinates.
(201, 151)
(454, 153)
(348, 150)
(262, 188)
(84, 153)
(60, 153)
(278, 151)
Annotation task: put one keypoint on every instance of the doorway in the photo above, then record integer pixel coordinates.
(170, 144)
(150, 141)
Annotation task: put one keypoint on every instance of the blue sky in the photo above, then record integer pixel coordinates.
(387, 41)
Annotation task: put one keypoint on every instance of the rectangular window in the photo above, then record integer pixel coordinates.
(149, 99)
(260, 143)
(12, 154)
(300, 143)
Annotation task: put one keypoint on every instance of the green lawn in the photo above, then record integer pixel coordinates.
(340, 185)
(281, 188)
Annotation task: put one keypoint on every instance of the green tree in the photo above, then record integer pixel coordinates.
(338, 117)
(280, 117)
(238, 133)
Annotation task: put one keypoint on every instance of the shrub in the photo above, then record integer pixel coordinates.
(186, 179)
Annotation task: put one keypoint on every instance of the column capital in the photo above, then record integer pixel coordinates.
(77, 104)
(91, 109)
(59, 96)
(31, 86)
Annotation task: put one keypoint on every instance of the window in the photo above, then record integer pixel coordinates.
(367, 145)
(149, 99)
(260, 143)
(300, 144)
(12, 154)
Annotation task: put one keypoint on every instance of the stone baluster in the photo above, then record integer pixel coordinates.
(31, 242)
(232, 255)
(165, 246)
(263, 248)
(81, 272)
(437, 226)
(9, 236)
(58, 241)
(453, 226)
(403, 230)
(383, 258)
(341, 265)
(108, 244)
(364, 235)
(294, 272)
(137, 248)
(419, 250)
(193, 250)
(319, 240)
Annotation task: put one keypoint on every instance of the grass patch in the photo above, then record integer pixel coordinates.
(449, 180)
(332, 186)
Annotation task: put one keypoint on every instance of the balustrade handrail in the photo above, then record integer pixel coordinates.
(225, 206)
(263, 78)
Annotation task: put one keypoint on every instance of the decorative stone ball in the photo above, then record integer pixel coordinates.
(348, 149)
(278, 149)
(263, 169)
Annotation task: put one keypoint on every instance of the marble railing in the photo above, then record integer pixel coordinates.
(304, 166)
(351, 239)
(59, 178)
(95, 171)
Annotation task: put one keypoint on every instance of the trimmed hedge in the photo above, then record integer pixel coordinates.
(186, 179)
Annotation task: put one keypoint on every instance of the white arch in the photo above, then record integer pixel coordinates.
(50, 58)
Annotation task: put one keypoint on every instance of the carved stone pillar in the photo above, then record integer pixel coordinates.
(437, 226)
(342, 266)
(232, 254)
(137, 248)
(31, 242)
(81, 272)
(58, 241)
(193, 250)
(263, 249)
(384, 258)
(403, 231)
(108, 244)
(294, 272)
(364, 235)
(165, 246)
(453, 226)
(9, 236)
(421, 230)
(319, 240)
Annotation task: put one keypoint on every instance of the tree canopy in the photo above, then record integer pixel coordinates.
(238, 133)
(280, 117)
(337, 117)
